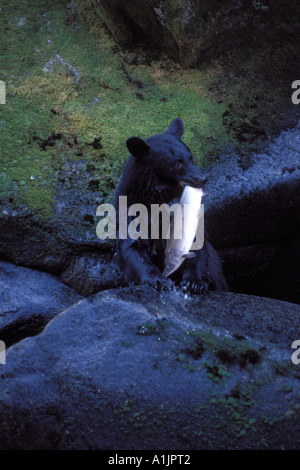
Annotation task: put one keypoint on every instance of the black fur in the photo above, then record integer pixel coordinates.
(155, 173)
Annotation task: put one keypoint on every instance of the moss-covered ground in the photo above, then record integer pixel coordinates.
(74, 97)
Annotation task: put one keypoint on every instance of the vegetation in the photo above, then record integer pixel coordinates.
(74, 97)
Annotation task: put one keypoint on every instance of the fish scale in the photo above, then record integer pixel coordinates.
(183, 229)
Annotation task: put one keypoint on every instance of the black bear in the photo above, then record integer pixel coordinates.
(156, 173)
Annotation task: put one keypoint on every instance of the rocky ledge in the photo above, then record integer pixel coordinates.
(135, 369)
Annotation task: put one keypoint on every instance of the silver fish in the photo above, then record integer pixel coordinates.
(183, 230)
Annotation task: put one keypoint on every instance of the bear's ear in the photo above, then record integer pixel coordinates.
(176, 128)
(137, 147)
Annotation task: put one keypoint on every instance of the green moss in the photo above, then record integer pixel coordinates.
(238, 421)
(127, 406)
(227, 350)
(181, 357)
(148, 329)
(214, 370)
(110, 101)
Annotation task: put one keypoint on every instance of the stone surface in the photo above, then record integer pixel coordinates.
(258, 201)
(133, 369)
(189, 30)
(252, 215)
(29, 300)
(91, 273)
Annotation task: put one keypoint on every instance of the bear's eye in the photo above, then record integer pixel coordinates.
(178, 164)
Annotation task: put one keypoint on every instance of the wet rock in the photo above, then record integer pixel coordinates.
(25, 242)
(280, 279)
(134, 369)
(29, 300)
(241, 261)
(91, 273)
(252, 216)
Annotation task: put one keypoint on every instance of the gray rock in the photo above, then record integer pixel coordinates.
(259, 203)
(134, 369)
(252, 215)
(91, 273)
(29, 300)
(23, 240)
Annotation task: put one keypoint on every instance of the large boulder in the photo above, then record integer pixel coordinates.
(29, 299)
(252, 215)
(134, 369)
(89, 273)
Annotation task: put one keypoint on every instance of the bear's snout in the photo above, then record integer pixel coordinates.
(196, 179)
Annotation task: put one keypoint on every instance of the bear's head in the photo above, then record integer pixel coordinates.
(170, 159)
